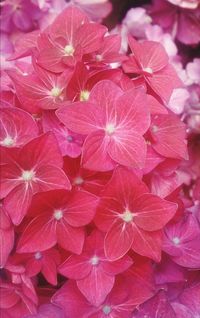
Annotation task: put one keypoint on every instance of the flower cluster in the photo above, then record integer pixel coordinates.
(100, 161)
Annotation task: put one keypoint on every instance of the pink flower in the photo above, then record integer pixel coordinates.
(150, 61)
(41, 89)
(63, 44)
(132, 217)
(112, 123)
(94, 274)
(83, 80)
(70, 143)
(108, 53)
(60, 217)
(118, 302)
(36, 167)
(17, 127)
(81, 178)
(45, 262)
(182, 242)
(18, 296)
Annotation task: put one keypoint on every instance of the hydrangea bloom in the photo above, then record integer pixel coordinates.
(100, 197)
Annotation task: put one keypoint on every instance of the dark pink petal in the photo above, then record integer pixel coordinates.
(50, 178)
(116, 267)
(95, 154)
(124, 186)
(107, 212)
(32, 239)
(147, 243)
(18, 201)
(71, 300)
(76, 267)
(118, 240)
(49, 270)
(33, 267)
(96, 286)
(8, 297)
(41, 151)
(6, 245)
(70, 238)
(152, 213)
(9, 177)
(81, 208)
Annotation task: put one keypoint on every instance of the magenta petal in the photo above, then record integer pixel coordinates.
(70, 238)
(32, 239)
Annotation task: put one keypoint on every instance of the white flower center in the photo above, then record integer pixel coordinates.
(99, 57)
(58, 214)
(28, 175)
(148, 70)
(56, 91)
(78, 180)
(154, 128)
(106, 309)
(38, 255)
(95, 260)
(127, 216)
(84, 96)
(8, 141)
(176, 240)
(69, 50)
(110, 129)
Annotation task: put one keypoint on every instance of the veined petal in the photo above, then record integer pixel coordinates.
(95, 152)
(147, 244)
(118, 240)
(70, 238)
(128, 148)
(76, 267)
(81, 208)
(96, 286)
(152, 212)
(39, 235)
